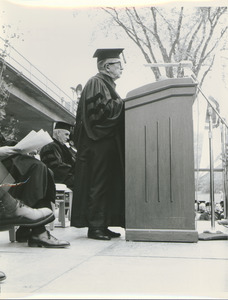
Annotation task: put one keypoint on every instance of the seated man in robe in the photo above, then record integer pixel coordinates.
(37, 191)
(58, 157)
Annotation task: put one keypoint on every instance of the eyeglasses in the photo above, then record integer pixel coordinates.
(118, 62)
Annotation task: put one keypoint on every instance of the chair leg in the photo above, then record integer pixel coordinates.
(62, 213)
(70, 205)
(52, 224)
(12, 234)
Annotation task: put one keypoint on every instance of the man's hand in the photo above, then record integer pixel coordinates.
(6, 151)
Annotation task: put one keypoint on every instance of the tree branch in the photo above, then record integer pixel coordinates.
(176, 41)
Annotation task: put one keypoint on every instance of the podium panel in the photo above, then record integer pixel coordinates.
(160, 192)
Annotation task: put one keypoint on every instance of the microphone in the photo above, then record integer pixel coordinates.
(183, 64)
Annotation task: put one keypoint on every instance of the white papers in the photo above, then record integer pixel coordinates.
(34, 141)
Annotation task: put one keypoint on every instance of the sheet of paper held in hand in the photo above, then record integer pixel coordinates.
(34, 141)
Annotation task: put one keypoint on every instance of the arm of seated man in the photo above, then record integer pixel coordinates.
(6, 151)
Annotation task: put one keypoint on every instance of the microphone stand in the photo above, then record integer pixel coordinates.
(224, 167)
(212, 234)
(212, 198)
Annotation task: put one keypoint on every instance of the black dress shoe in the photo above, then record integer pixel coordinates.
(2, 276)
(112, 234)
(98, 234)
(22, 234)
(46, 240)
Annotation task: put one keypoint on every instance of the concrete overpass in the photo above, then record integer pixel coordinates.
(31, 105)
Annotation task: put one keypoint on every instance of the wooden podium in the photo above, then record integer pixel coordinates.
(160, 192)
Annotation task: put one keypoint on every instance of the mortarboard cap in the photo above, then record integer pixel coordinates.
(106, 53)
(63, 125)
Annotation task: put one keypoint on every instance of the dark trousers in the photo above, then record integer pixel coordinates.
(103, 154)
(99, 185)
(39, 190)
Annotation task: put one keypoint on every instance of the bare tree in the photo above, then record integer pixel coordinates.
(175, 34)
(8, 124)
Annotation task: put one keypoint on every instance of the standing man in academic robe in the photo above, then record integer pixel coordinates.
(98, 196)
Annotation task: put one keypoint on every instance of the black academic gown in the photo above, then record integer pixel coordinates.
(60, 160)
(98, 196)
(39, 189)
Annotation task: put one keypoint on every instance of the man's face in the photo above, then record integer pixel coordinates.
(114, 69)
(63, 135)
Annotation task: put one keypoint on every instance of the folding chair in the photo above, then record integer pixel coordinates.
(63, 202)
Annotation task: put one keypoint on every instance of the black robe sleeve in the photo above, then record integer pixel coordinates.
(100, 109)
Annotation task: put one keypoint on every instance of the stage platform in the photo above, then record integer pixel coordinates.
(115, 269)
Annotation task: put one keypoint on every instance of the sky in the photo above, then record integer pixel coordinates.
(60, 42)
(60, 37)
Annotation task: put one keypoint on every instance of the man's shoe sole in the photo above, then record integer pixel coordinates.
(41, 244)
(112, 234)
(101, 238)
(27, 223)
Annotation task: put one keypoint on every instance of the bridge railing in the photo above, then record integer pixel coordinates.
(25, 67)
